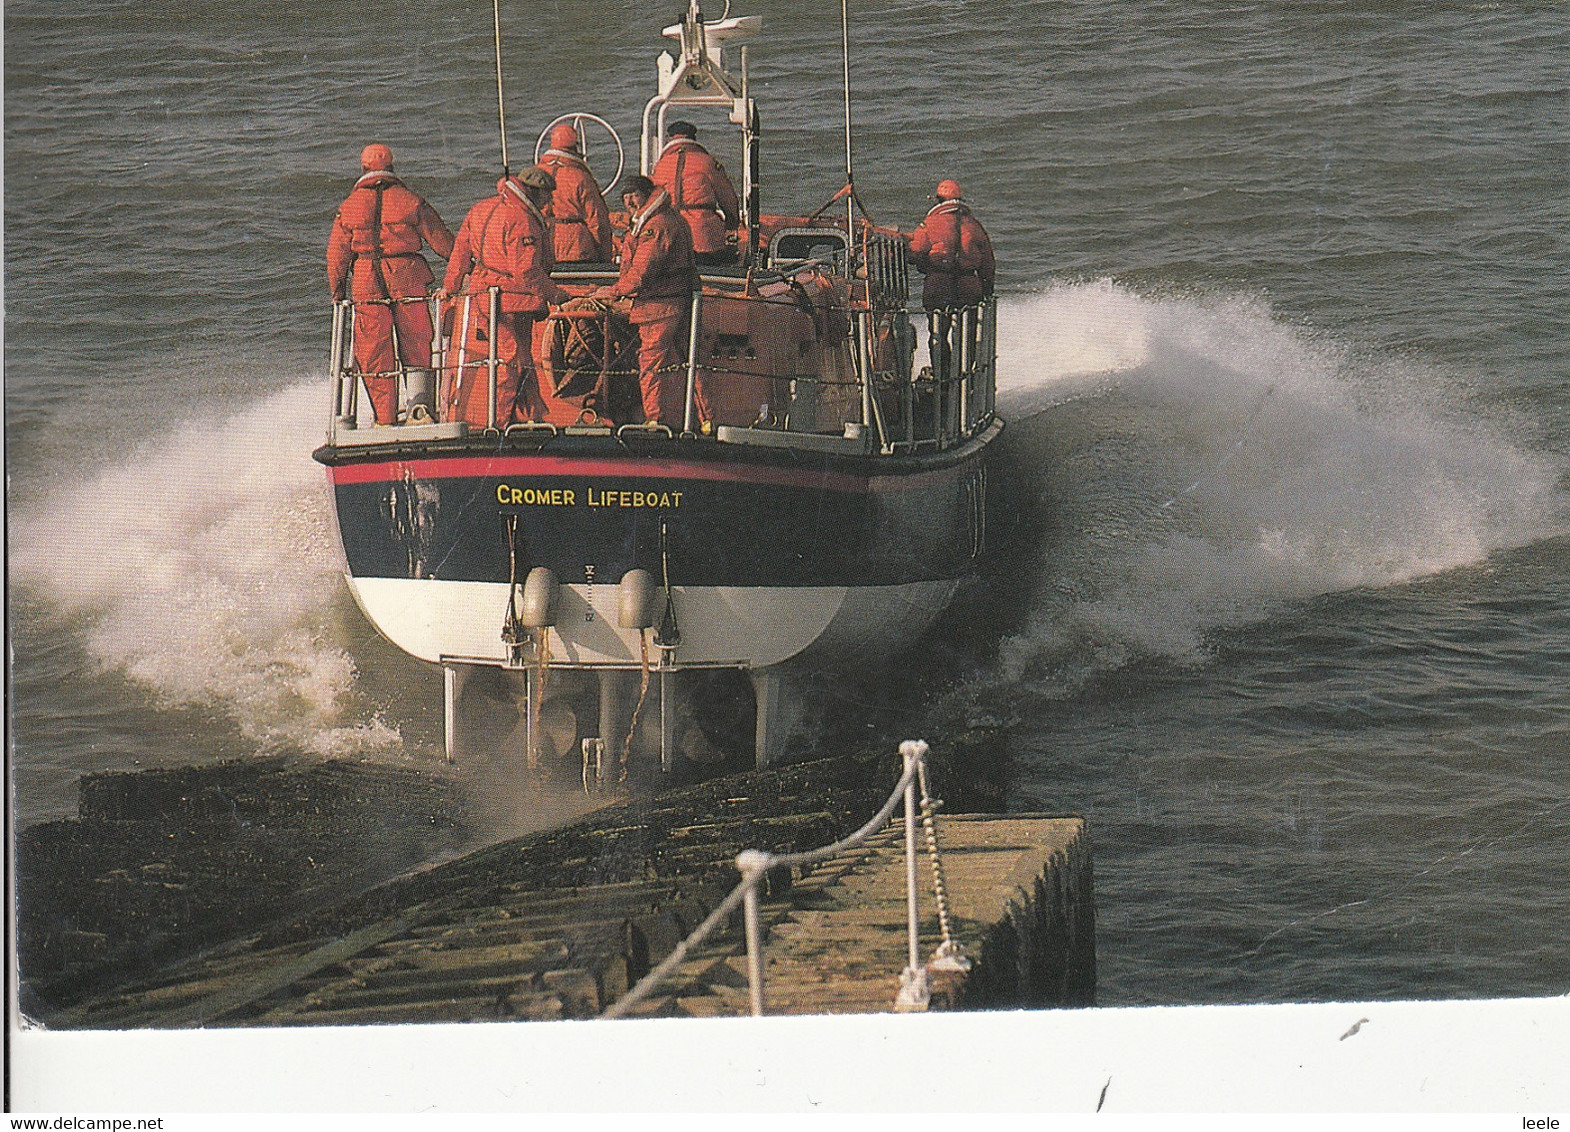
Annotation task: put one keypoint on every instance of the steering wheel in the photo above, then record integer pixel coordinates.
(577, 118)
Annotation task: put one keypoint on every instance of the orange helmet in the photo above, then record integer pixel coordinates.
(948, 190)
(376, 156)
(563, 136)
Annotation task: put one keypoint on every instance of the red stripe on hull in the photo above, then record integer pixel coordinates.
(640, 468)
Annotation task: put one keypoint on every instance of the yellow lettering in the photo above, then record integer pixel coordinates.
(507, 495)
(501, 493)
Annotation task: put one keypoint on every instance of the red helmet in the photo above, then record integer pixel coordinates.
(948, 190)
(563, 136)
(376, 156)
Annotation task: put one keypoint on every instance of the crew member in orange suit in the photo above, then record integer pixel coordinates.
(373, 256)
(700, 190)
(580, 222)
(503, 243)
(951, 247)
(659, 275)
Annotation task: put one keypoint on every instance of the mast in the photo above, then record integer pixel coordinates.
(850, 177)
(501, 102)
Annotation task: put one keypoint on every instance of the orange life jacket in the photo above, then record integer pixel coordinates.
(580, 220)
(700, 190)
(953, 249)
(657, 263)
(503, 243)
(377, 234)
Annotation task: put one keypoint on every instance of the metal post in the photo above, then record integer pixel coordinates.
(351, 406)
(450, 691)
(863, 359)
(337, 364)
(967, 364)
(938, 345)
(689, 418)
(992, 356)
(459, 371)
(753, 863)
(438, 343)
(910, 869)
(491, 360)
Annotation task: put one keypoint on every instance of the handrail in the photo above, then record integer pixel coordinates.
(689, 416)
(950, 402)
(756, 864)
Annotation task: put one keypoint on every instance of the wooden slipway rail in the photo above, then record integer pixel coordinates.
(1020, 888)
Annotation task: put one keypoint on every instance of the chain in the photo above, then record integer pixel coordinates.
(929, 807)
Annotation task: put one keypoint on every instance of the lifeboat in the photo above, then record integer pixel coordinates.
(600, 584)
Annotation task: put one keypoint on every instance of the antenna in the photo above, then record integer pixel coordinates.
(850, 178)
(501, 108)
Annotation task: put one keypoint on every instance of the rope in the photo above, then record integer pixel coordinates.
(766, 863)
(542, 649)
(643, 694)
(512, 626)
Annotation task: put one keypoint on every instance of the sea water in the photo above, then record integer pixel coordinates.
(1282, 349)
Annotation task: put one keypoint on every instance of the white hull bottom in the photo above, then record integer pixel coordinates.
(774, 633)
(720, 626)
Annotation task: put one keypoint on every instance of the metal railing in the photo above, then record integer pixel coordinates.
(756, 864)
(962, 386)
(346, 377)
(944, 405)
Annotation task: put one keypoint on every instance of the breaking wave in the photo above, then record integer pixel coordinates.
(205, 566)
(1199, 464)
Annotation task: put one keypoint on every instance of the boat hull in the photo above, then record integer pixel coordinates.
(768, 556)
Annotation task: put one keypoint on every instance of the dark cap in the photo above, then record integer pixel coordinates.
(638, 184)
(538, 178)
(681, 130)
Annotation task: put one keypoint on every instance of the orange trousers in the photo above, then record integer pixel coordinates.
(375, 358)
(517, 387)
(662, 362)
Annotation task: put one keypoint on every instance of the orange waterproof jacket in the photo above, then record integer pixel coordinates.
(657, 268)
(377, 234)
(503, 243)
(952, 248)
(580, 221)
(701, 192)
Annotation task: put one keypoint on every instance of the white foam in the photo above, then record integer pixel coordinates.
(1208, 464)
(205, 565)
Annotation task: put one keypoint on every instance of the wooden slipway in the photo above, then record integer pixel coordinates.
(1021, 905)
